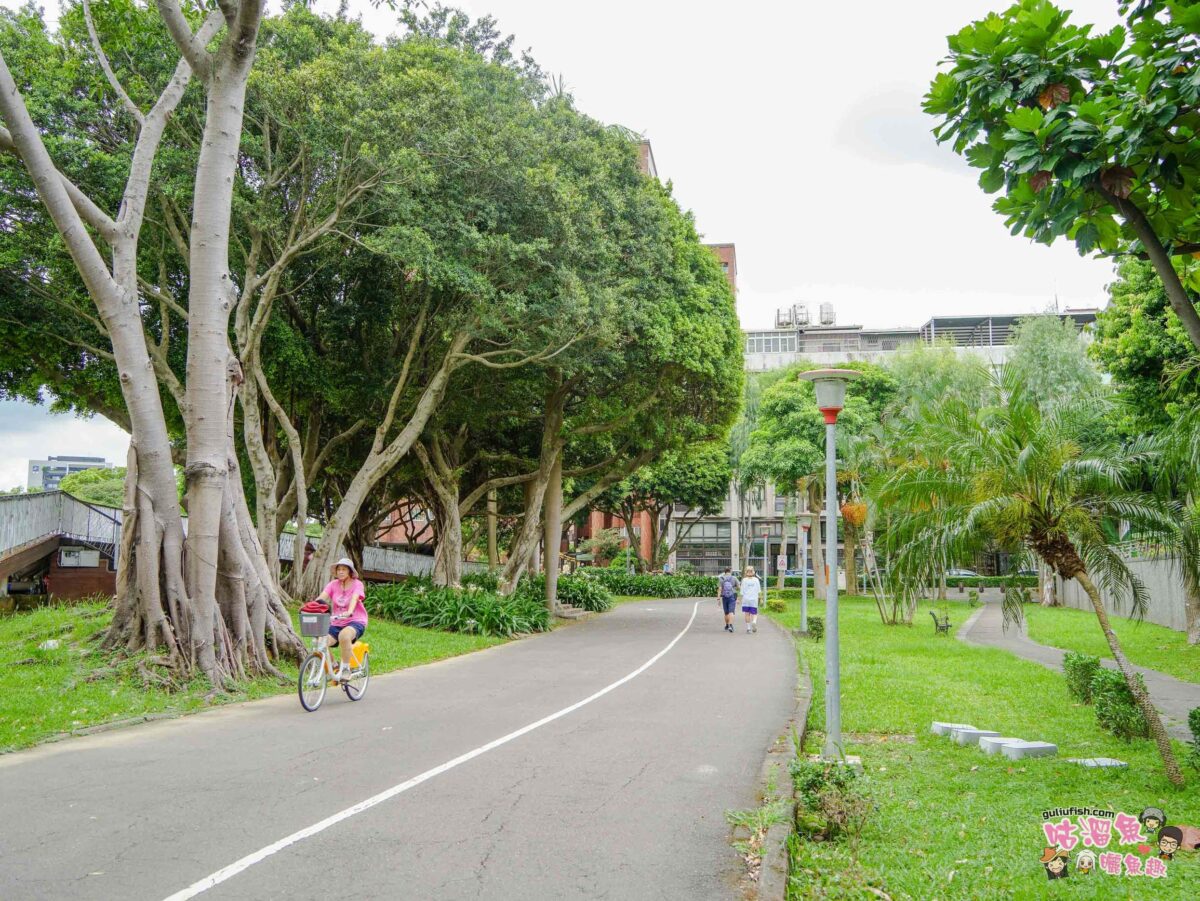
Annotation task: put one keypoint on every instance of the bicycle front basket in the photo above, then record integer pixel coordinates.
(314, 625)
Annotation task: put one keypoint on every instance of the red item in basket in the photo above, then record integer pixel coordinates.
(315, 607)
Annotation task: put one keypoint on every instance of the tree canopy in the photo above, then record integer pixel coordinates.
(1086, 136)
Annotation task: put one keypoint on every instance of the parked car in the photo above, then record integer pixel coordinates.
(1026, 572)
(952, 573)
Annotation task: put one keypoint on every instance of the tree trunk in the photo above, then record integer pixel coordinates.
(165, 599)
(1177, 294)
(1157, 732)
(526, 538)
(493, 548)
(552, 537)
(1191, 601)
(448, 556)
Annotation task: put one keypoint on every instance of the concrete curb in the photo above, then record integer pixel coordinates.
(772, 881)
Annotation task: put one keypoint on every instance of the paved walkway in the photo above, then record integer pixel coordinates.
(1172, 697)
(621, 796)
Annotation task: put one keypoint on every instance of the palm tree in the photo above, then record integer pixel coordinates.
(1035, 477)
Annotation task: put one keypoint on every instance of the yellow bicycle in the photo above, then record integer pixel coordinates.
(318, 667)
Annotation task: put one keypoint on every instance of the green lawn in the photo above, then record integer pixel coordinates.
(1145, 644)
(47, 693)
(955, 823)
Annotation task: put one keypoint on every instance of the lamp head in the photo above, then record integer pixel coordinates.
(830, 388)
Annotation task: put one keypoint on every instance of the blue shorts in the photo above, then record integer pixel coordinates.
(752, 610)
(729, 603)
(359, 629)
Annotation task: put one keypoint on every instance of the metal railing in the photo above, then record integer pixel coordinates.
(27, 518)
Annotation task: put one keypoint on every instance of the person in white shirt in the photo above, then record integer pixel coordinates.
(751, 589)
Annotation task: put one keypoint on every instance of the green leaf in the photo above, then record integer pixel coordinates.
(1087, 237)
(1092, 112)
(992, 180)
(941, 96)
(1025, 119)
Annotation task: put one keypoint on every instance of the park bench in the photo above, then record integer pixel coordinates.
(941, 624)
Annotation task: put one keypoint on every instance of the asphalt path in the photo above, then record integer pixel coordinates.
(507, 773)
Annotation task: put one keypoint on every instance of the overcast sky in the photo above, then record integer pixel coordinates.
(792, 130)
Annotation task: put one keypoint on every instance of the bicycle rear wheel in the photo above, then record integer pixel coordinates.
(357, 686)
(313, 682)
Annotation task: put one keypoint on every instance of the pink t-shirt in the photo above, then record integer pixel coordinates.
(347, 603)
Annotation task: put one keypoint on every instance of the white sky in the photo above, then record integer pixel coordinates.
(794, 131)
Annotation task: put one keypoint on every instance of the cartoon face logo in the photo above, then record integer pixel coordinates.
(1169, 840)
(1153, 819)
(1085, 862)
(1055, 862)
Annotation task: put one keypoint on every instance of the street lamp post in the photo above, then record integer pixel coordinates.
(830, 388)
(766, 565)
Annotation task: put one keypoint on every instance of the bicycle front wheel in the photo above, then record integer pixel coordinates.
(357, 686)
(313, 682)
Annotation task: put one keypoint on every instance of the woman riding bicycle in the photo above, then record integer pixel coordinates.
(349, 615)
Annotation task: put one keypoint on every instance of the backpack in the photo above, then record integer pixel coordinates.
(728, 583)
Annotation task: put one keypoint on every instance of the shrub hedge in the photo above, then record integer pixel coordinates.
(578, 591)
(991, 582)
(471, 609)
(1080, 669)
(1116, 709)
(816, 627)
(653, 585)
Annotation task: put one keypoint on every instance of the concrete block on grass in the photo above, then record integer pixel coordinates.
(947, 728)
(992, 744)
(971, 736)
(1021, 750)
(1102, 763)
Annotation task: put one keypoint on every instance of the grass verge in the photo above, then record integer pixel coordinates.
(49, 693)
(952, 822)
(1145, 644)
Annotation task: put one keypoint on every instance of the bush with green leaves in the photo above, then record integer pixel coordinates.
(964, 582)
(474, 610)
(816, 627)
(811, 777)
(776, 605)
(1116, 709)
(1080, 669)
(488, 581)
(578, 591)
(653, 586)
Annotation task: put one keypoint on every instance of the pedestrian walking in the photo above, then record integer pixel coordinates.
(751, 590)
(727, 592)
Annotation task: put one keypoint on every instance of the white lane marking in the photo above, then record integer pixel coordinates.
(251, 859)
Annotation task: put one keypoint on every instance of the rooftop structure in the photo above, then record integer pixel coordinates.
(46, 474)
(808, 332)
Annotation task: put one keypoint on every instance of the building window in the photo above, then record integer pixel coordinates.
(889, 345)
